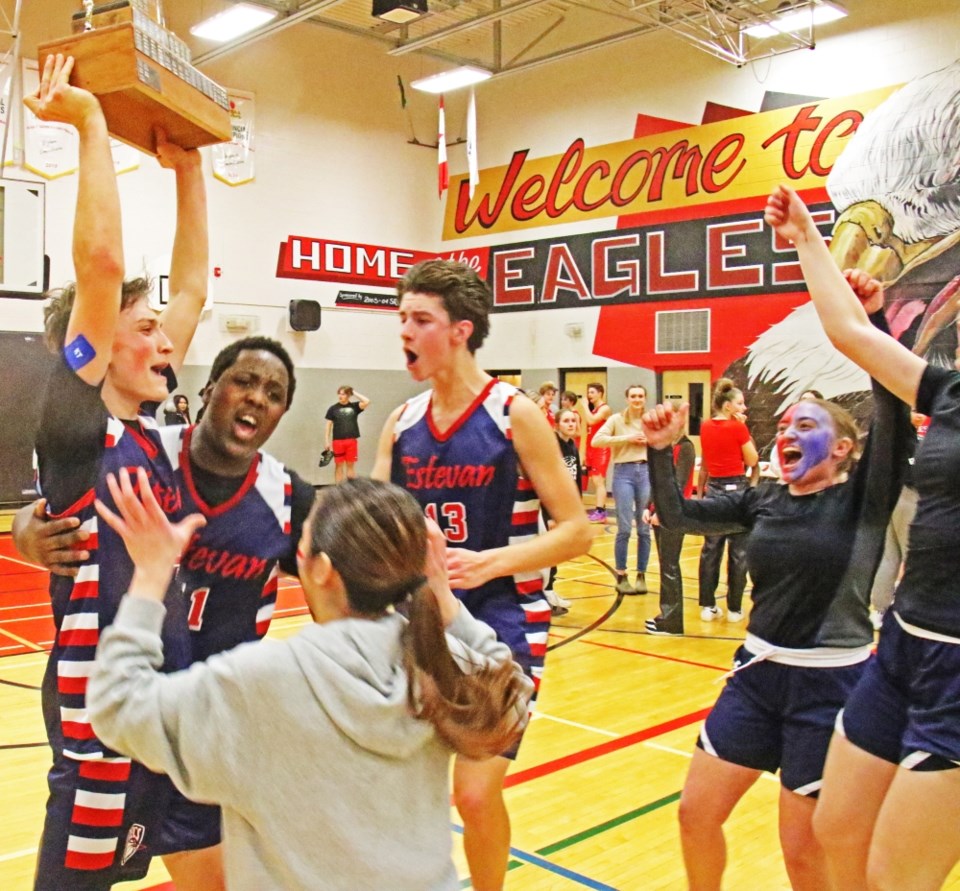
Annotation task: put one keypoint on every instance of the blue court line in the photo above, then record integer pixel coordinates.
(550, 867)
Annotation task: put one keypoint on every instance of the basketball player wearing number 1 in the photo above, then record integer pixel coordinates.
(476, 453)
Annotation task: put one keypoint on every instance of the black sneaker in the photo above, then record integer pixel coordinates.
(654, 627)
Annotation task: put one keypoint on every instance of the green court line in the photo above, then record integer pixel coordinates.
(610, 824)
(578, 837)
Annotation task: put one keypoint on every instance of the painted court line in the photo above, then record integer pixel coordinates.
(606, 646)
(614, 745)
(533, 859)
(22, 563)
(547, 717)
(16, 855)
(584, 834)
(29, 644)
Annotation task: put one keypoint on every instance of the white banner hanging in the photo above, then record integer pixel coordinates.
(6, 88)
(125, 158)
(233, 162)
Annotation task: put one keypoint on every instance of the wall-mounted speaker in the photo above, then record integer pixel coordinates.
(304, 315)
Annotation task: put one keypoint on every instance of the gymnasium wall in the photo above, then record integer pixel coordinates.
(333, 161)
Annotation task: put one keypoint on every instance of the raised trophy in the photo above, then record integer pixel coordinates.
(142, 75)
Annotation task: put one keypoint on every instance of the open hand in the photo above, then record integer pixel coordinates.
(56, 545)
(56, 100)
(436, 573)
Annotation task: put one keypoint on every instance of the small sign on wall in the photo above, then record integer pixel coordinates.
(366, 300)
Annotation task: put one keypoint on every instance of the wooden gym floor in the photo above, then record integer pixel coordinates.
(593, 796)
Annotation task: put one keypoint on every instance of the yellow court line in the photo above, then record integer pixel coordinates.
(21, 640)
(22, 562)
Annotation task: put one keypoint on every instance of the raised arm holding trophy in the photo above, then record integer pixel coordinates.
(142, 75)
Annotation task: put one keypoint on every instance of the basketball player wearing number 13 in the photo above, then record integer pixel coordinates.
(476, 453)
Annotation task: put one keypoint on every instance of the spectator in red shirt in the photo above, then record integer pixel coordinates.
(728, 450)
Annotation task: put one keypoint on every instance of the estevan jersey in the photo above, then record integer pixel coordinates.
(228, 573)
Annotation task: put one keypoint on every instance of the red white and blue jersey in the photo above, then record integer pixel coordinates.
(84, 605)
(469, 480)
(228, 573)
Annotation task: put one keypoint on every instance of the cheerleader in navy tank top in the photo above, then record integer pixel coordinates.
(889, 813)
(475, 452)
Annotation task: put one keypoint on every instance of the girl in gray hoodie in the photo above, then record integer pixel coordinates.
(328, 751)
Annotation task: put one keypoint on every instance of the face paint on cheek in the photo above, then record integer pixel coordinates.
(815, 443)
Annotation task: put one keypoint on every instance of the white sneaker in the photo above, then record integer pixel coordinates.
(711, 614)
(555, 599)
(735, 615)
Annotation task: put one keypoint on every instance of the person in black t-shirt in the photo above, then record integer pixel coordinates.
(343, 431)
(889, 803)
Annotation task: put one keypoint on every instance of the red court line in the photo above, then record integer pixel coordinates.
(614, 745)
(595, 643)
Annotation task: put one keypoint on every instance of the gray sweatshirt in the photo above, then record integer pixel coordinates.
(325, 779)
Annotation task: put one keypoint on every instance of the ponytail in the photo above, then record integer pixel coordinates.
(479, 712)
(724, 390)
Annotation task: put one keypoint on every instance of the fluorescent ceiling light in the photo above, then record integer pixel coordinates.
(451, 80)
(797, 17)
(233, 22)
(400, 12)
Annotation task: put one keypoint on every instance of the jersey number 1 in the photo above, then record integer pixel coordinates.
(198, 601)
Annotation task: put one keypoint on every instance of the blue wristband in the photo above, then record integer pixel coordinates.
(79, 352)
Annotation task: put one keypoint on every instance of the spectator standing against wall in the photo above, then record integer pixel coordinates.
(623, 435)
(728, 451)
(343, 431)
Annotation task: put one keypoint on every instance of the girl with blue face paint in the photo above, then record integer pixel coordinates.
(808, 637)
(807, 440)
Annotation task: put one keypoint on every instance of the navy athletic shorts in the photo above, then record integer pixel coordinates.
(906, 708)
(521, 621)
(779, 717)
(106, 819)
(102, 823)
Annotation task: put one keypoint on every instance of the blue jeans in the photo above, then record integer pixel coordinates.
(631, 492)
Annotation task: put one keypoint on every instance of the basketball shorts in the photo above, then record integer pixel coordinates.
(779, 717)
(597, 461)
(102, 823)
(345, 451)
(906, 708)
(521, 621)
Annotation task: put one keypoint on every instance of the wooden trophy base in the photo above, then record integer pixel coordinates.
(138, 94)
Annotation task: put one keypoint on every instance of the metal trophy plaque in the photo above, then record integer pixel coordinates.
(142, 75)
